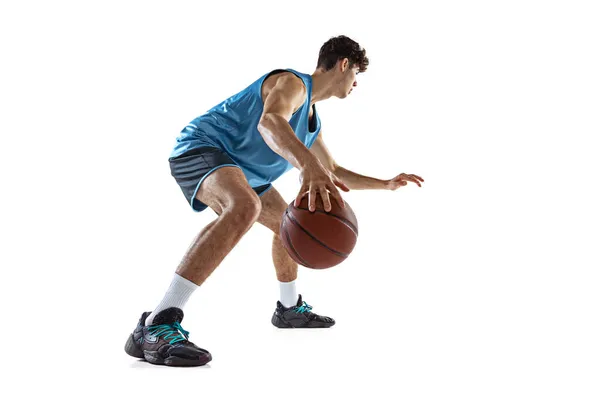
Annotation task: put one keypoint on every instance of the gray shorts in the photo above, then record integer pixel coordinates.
(192, 167)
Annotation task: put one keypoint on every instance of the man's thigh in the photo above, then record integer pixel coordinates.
(225, 188)
(209, 173)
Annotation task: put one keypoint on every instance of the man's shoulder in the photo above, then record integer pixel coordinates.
(286, 76)
(285, 81)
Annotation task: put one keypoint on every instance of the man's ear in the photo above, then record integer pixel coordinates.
(344, 64)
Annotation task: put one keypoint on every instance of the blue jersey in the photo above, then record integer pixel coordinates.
(232, 127)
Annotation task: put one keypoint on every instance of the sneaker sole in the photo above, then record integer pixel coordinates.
(153, 357)
(279, 323)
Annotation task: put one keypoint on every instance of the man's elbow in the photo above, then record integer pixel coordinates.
(267, 123)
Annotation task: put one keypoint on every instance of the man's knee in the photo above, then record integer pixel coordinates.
(227, 192)
(273, 209)
(245, 210)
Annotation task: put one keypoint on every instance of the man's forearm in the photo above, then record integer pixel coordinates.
(280, 137)
(356, 181)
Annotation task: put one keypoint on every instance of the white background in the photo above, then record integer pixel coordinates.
(482, 284)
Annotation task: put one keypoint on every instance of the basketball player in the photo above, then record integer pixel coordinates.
(226, 159)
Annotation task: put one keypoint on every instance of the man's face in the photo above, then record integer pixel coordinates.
(348, 78)
(352, 78)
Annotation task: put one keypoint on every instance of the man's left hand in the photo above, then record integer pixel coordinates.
(402, 180)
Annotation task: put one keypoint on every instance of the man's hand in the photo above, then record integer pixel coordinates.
(316, 179)
(402, 180)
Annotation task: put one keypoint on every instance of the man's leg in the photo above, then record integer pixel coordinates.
(289, 313)
(272, 209)
(159, 337)
(228, 193)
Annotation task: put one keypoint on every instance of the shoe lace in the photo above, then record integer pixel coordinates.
(171, 332)
(304, 308)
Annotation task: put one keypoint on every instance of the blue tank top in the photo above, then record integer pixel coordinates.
(231, 126)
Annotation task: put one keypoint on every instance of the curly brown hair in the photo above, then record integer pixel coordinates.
(340, 47)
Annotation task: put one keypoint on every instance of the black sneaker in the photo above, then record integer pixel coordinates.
(299, 316)
(165, 342)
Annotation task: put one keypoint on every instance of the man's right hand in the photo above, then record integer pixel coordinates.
(315, 180)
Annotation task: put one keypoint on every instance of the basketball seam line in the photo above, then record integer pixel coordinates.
(293, 219)
(289, 240)
(343, 220)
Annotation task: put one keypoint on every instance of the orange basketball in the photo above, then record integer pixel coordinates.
(319, 239)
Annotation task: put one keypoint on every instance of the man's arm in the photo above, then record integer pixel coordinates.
(279, 105)
(356, 181)
(351, 179)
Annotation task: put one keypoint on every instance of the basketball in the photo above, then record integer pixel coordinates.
(319, 239)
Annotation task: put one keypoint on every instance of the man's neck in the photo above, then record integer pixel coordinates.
(322, 89)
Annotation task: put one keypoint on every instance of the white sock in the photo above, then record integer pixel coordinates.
(287, 294)
(177, 295)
